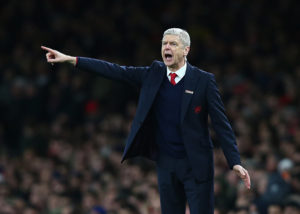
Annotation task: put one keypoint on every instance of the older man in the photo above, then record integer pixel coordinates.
(171, 122)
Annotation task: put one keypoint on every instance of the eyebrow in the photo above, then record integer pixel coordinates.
(170, 41)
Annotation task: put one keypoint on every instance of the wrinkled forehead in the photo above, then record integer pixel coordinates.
(171, 38)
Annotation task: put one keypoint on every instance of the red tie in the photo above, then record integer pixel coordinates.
(173, 76)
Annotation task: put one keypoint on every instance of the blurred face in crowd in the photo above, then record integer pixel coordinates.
(291, 210)
(274, 209)
(173, 52)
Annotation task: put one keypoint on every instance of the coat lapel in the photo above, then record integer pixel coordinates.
(190, 83)
(155, 81)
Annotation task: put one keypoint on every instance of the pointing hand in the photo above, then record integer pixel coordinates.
(54, 56)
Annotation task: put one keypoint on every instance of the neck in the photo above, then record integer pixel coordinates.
(176, 67)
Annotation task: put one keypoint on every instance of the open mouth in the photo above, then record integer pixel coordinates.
(168, 56)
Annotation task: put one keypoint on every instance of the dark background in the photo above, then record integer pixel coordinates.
(62, 130)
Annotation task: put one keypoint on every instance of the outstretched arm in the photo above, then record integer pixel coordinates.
(54, 56)
(132, 75)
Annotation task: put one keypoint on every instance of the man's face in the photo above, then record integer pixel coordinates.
(173, 52)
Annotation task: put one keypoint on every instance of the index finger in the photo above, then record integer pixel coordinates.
(47, 49)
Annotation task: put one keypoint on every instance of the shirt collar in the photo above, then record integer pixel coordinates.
(180, 72)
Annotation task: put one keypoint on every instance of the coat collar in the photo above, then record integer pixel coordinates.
(190, 83)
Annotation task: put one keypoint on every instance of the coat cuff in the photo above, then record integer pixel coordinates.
(76, 63)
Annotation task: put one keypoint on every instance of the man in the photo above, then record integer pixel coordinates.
(171, 122)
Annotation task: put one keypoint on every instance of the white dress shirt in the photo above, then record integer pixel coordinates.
(180, 73)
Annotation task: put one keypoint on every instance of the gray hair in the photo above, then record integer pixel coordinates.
(182, 34)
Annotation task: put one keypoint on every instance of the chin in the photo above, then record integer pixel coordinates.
(169, 64)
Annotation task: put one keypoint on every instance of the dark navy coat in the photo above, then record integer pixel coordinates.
(200, 99)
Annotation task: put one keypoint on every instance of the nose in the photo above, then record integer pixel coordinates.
(167, 46)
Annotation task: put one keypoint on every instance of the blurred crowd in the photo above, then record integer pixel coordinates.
(62, 131)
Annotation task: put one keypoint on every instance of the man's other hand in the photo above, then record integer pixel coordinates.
(243, 174)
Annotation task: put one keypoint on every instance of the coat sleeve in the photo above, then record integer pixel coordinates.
(221, 124)
(132, 75)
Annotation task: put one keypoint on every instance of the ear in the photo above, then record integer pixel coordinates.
(186, 50)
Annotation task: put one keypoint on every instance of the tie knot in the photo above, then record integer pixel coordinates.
(173, 76)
